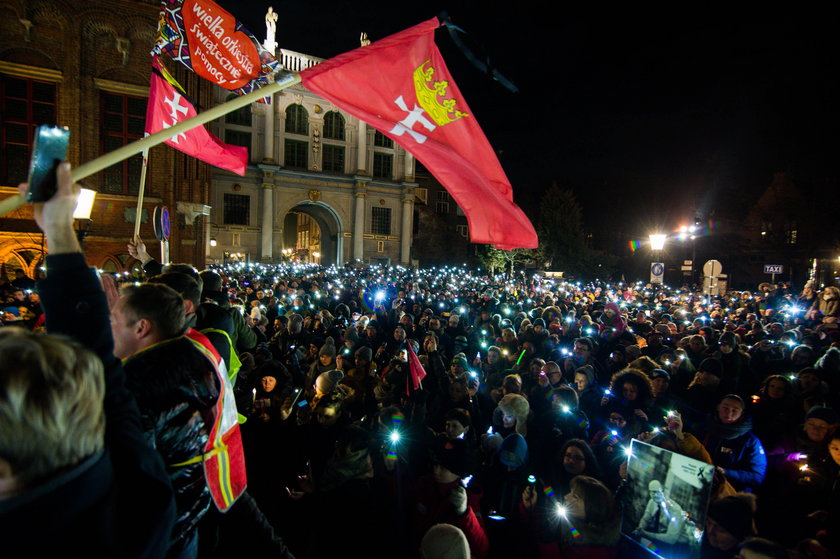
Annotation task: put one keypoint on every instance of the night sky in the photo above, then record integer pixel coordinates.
(654, 115)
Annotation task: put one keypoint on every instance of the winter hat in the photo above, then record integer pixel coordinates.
(826, 414)
(295, 317)
(517, 406)
(514, 451)
(365, 354)
(735, 514)
(327, 381)
(452, 455)
(491, 442)
(711, 366)
(589, 372)
(350, 335)
(328, 348)
(662, 329)
(633, 352)
(460, 360)
(659, 373)
(728, 338)
(444, 541)
(539, 322)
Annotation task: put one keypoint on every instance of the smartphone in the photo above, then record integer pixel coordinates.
(295, 395)
(49, 148)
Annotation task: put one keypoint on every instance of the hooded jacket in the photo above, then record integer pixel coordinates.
(176, 388)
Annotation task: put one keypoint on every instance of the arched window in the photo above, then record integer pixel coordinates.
(333, 126)
(110, 266)
(297, 120)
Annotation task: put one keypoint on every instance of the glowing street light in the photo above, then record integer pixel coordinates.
(657, 241)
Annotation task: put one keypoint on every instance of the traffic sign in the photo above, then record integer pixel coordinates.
(657, 271)
(774, 269)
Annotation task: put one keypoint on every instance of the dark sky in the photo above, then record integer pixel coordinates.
(661, 113)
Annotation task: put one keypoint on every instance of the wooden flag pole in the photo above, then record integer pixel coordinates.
(140, 193)
(120, 154)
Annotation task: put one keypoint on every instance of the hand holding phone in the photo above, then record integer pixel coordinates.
(49, 148)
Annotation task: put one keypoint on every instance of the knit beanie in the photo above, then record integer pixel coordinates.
(351, 335)
(826, 414)
(444, 541)
(632, 352)
(711, 366)
(589, 372)
(728, 338)
(460, 360)
(365, 354)
(735, 514)
(659, 373)
(328, 348)
(452, 455)
(327, 381)
(514, 451)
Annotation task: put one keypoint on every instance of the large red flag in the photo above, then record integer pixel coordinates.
(167, 107)
(401, 86)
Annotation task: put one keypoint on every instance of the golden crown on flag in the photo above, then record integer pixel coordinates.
(431, 95)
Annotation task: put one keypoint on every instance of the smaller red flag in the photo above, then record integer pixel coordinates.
(416, 372)
(168, 107)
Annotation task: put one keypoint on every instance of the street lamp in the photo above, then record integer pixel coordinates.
(84, 207)
(657, 241)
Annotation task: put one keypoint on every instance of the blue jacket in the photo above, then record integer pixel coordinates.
(738, 451)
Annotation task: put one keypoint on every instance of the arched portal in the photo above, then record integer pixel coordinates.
(313, 227)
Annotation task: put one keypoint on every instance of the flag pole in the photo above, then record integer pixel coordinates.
(120, 154)
(140, 195)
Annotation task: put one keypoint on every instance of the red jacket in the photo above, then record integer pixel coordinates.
(433, 507)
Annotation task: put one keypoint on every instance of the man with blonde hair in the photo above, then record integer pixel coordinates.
(76, 476)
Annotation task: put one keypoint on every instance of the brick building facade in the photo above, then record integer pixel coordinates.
(86, 66)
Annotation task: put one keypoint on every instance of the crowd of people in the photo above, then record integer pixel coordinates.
(403, 412)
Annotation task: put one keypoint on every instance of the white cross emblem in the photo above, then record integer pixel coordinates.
(176, 107)
(406, 124)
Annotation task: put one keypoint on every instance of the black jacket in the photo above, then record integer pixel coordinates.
(117, 503)
(176, 388)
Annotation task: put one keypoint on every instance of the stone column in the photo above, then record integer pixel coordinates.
(405, 235)
(267, 218)
(361, 158)
(409, 166)
(268, 145)
(359, 222)
(267, 224)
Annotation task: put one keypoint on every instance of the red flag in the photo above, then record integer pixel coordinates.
(416, 372)
(401, 86)
(167, 107)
